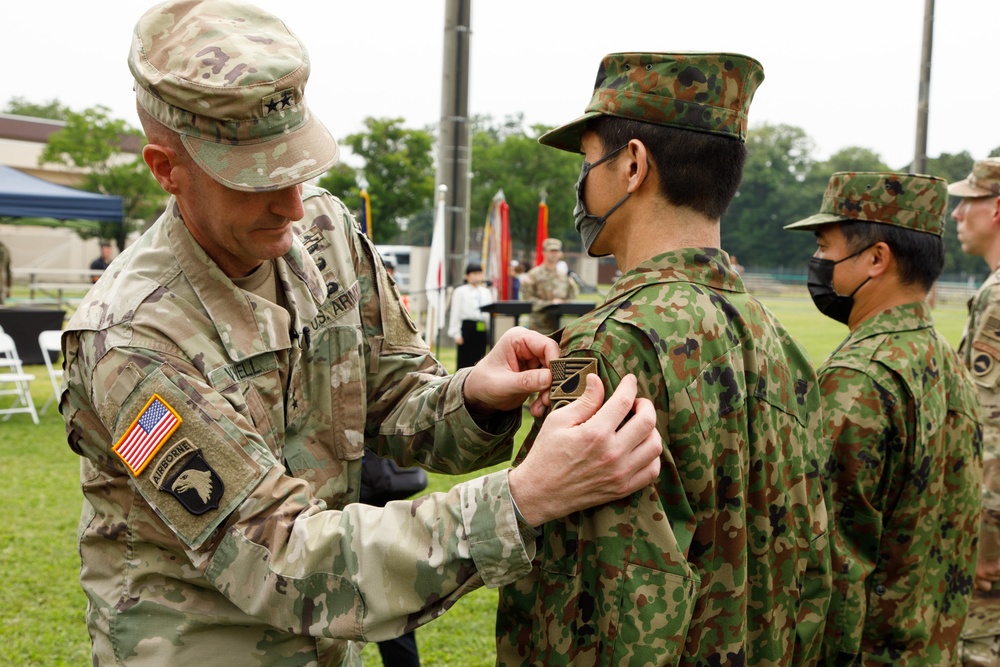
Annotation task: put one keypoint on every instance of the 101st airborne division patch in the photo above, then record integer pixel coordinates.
(569, 379)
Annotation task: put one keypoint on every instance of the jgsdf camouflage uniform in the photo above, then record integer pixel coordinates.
(237, 535)
(905, 468)
(542, 285)
(724, 560)
(980, 352)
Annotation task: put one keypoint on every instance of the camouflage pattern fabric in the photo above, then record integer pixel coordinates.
(980, 352)
(980, 646)
(905, 471)
(901, 200)
(724, 561)
(230, 79)
(287, 566)
(541, 285)
(984, 180)
(702, 92)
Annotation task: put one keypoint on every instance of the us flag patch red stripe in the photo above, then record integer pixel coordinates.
(148, 432)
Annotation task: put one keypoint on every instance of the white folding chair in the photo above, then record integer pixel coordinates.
(50, 342)
(14, 381)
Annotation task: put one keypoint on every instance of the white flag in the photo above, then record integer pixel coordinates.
(436, 284)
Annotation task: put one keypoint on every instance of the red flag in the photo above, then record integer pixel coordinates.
(543, 231)
(505, 250)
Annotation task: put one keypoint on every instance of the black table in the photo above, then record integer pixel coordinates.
(23, 324)
(518, 308)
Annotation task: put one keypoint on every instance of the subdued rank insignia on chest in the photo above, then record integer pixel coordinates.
(183, 472)
(569, 379)
(149, 430)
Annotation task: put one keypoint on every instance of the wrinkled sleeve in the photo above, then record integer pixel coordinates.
(865, 428)
(357, 574)
(985, 371)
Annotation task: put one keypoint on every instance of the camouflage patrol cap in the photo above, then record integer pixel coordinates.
(230, 79)
(982, 182)
(703, 92)
(909, 201)
(551, 244)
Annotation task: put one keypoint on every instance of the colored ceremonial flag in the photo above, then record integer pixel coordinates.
(366, 213)
(496, 246)
(543, 230)
(436, 283)
(148, 432)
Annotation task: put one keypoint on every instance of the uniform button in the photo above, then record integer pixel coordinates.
(880, 590)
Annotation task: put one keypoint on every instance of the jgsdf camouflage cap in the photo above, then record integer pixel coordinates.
(230, 79)
(909, 201)
(703, 92)
(982, 182)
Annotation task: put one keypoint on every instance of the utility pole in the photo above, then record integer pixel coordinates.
(454, 160)
(919, 165)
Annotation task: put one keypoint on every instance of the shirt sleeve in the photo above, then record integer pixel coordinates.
(865, 428)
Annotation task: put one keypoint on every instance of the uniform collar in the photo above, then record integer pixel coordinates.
(704, 266)
(905, 317)
(226, 304)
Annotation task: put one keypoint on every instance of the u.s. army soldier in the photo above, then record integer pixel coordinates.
(722, 560)
(225, 375)
(978, 226)
(903, 424)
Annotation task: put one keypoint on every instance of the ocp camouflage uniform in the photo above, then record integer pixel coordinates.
(542, 285)
(905, 474)
(724, 559)
(980, 351)
(241, 538)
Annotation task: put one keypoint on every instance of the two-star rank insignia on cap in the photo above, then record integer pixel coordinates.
(569, 379)
(155, 423)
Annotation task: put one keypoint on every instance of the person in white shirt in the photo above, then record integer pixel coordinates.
(467, 324)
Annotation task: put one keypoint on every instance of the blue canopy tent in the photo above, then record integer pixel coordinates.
(23, 196)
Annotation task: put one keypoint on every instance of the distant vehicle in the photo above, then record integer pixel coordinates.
(400, 256)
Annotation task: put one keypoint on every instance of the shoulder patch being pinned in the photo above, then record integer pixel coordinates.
(149, 430)
(569, 379)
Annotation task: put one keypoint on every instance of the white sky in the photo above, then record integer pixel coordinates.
(846, 71)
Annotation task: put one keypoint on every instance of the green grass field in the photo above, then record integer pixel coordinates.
(43, 607)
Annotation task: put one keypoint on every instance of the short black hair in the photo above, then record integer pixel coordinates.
(473, 268)
(697, 170)
(920, 255)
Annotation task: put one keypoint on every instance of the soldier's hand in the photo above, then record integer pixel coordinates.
(987, 574)
(584, 455)
(514, 369)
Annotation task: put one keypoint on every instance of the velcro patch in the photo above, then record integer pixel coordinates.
(149, 430)
(991, 325)
(569, 379)
(991, 350)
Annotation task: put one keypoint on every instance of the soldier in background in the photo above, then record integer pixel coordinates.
(723, 559)
(903, 423)
(222, 385)
(544, 285)
(6, 279)
(978, 226)
(102, 262)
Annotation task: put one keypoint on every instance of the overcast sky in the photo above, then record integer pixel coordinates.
(846, 71)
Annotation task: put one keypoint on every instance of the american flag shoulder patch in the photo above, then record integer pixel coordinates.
(140, 442)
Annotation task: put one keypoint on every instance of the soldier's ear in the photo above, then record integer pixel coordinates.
(162, 162)
(996, 210)
(881, 257)
(638, 164)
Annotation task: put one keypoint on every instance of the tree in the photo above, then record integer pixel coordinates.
(506, 157)
(92, 141)
(398, 170)
(53, 109)
(776, 190)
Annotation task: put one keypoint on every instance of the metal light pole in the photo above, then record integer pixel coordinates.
(919, 165)
(454, 160)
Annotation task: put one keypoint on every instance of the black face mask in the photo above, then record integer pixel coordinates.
(820, 283)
